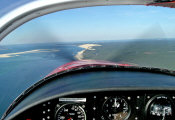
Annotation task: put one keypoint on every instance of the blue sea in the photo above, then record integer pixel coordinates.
(24, 65)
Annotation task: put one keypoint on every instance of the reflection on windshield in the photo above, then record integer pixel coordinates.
(136, 35)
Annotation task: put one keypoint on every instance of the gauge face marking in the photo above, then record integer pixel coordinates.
(160, 108)
(116, 108)
(70, 112)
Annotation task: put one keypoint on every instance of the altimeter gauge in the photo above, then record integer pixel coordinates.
(116, 108)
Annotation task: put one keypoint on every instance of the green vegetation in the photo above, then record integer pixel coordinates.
(157, 53)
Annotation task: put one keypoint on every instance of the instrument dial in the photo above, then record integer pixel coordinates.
(70, 112)
(116, 108)
(160, 108)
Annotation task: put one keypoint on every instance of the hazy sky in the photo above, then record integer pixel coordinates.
(97, 23)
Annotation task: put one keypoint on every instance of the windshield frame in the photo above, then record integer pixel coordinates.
(35, 9)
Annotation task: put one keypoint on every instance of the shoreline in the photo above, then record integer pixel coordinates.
(79, 55)
(8, 55)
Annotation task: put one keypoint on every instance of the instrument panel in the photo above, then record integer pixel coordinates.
(106, 105)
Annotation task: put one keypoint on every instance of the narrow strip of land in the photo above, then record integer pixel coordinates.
(7, 55)
(79, 55)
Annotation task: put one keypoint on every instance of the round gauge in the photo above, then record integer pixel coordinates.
(116, 108)
(70, 112)
(160, 108)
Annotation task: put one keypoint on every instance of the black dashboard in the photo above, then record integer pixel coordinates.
(106, 105)
(98, 94)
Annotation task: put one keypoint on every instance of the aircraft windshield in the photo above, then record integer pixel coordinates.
(136, 35)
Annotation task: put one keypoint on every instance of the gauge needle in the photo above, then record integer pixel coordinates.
(116, 104)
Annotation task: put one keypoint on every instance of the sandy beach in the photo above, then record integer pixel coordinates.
(26, 52)
(79, 55)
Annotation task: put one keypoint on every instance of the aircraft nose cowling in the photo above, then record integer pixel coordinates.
(84, 63)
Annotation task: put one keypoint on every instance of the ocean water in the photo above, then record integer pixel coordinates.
(26, 64)
(23, 65)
